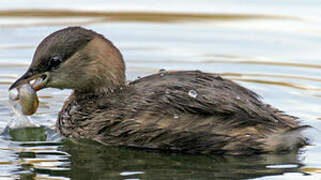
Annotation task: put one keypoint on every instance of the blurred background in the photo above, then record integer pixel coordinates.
(272, 47)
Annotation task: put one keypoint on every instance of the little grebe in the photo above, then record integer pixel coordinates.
(182, 111)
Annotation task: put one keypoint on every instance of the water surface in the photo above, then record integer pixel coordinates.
(272, 47)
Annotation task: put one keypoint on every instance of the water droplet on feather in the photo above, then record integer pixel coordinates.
(192, 93)
(162, 72)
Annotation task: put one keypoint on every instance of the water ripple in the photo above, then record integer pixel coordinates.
(270, 63)
(280, 83)
(141, 16)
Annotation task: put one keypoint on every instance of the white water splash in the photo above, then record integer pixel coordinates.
(19, 120)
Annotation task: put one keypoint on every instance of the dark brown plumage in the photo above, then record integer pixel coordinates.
(183, 111)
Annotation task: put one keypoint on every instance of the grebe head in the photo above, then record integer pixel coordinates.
(75, 58)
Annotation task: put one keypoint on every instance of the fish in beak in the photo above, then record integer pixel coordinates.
(38, 80)
(27, 86)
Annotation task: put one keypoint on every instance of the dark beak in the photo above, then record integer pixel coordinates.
(22, 80)
(27, 77)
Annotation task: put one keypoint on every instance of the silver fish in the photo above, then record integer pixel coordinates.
(27, 97)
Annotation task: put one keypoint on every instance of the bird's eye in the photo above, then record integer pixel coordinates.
(54, 62)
